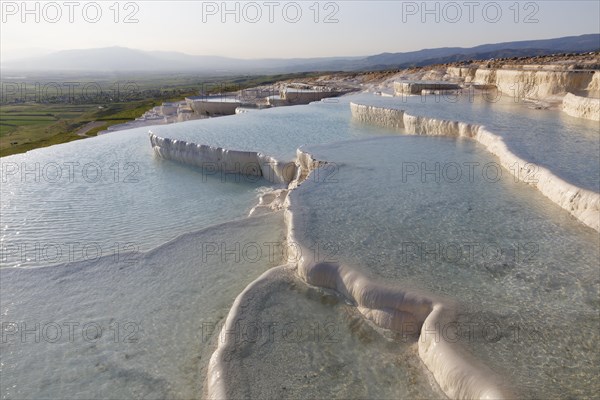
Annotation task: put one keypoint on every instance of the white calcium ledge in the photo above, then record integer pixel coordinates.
(458, 375)
(219, 159)
(581, 107)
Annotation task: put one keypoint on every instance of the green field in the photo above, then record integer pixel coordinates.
(29, 121)
(25, 127)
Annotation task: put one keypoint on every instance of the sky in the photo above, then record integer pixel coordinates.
(284, 29)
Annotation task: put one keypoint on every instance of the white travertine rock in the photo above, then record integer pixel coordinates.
(416, 87)
(466, 73)
(387, 117)
(583, 204)
(581, 107)
(530, 83)
(219, 371)
(228, 161)
(593, 87)
(458, 375)
(537, 85)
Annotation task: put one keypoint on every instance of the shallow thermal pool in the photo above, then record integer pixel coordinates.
(275, 132)
(524, 272)
(111, 194)
(107, 195)
(119, 214)
(567, 146)
(139, 327)
(295, 341)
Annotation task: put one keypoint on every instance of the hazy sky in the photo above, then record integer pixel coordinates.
(284, 28)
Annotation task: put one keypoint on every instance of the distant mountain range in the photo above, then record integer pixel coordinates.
(122, 59)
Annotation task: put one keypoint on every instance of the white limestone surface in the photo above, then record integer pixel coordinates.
(388, 307)
(538, 85)
(227, 161)
(581, 107)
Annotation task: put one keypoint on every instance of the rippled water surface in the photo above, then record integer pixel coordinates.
(568, 146)
(524, 272)
(106, 215)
